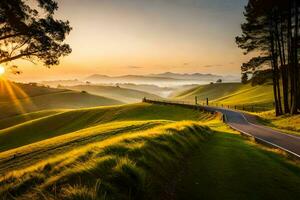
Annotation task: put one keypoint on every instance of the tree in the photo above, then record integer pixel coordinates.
(219, 81)
(244, 78)
(271, 30)
(32, 34)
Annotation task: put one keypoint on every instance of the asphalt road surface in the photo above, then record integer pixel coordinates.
(246, 124)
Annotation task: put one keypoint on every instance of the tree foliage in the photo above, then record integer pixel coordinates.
(271, 30)
(244, 78)
(28, 30)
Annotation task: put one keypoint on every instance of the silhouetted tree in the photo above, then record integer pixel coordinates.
(219, 81)
(32, 33)
(244, 78)
(271, 29)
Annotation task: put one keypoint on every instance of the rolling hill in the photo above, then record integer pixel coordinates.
(21, 118)
(230, 94)
(19, 98)
(149, 88)
(124, 95)
(54, 123)
(139, 151)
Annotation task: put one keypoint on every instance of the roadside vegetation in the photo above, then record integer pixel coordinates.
(285, 123)
(229, 167)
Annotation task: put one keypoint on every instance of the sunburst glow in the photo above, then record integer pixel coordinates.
(2, 70)
(18, 100)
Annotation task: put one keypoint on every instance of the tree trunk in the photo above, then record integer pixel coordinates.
(284, 69)
(280, 49)
(276, 90)
(290, 54)
(295, 62)
(297, 70)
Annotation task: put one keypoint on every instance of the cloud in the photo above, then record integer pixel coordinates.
(134, 67)
(209, 66)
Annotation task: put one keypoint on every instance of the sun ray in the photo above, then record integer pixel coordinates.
(2, 70)
(16, 95)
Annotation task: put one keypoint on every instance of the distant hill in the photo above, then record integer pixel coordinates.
(149, 88)
(115, 92)
(17, 98)
(56, 83)
(230, 94)
(164, 79)
(185, 76)
(127, 78)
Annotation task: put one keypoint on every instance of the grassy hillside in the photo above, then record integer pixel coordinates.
(14, 90)
(228, 167)
(19, 119)
(23, 98)
(231, 94)
(117, 167)
(121, 94)
(149, 88)
(63, 122)
(148, 159)
(286, 123)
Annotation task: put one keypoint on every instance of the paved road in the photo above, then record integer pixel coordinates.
(246, 124)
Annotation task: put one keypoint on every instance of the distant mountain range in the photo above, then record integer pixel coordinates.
(127, 78)
(185, 76)
(56, 83)
(163, 77)
(167, 79)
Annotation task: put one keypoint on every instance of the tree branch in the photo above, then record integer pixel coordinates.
(10, 36)
(17, 57)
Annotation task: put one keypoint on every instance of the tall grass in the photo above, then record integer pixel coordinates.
(137, 166)
(286, 123)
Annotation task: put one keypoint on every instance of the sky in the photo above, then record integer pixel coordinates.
(117, 37)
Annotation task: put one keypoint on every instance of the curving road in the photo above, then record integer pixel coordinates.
(246, 124)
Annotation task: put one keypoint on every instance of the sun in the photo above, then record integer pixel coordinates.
(2, 70)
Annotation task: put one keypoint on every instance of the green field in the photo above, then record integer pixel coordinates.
(60, 122)
(18, 99)
(138, 151)
(231, 94)
(124, 95)
(228, 167)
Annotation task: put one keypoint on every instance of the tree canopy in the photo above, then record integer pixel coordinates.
(271, 30)
(28, 30)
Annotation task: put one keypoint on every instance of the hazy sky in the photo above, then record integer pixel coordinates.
(118, 37)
